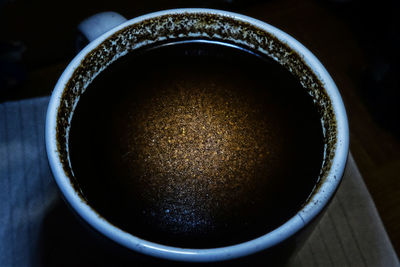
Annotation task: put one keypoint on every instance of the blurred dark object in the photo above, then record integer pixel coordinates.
(4, 2)
(380, 90)
(12, 72)
(374, 23)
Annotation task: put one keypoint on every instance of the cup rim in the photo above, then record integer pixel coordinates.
(315, 204)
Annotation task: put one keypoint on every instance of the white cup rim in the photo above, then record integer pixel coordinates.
(290, 227)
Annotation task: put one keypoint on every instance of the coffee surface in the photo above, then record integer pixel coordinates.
(196, 144)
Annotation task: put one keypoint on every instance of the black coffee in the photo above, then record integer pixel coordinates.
(196, 144)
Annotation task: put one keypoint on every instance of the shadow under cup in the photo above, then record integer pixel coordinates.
(192, 24)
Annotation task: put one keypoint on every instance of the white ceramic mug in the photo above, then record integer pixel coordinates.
(172, 25)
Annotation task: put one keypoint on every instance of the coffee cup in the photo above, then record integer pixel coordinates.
(212, 25)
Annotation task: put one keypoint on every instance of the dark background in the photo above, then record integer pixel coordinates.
(357, 41)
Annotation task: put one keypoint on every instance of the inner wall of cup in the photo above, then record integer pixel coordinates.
(172, 28)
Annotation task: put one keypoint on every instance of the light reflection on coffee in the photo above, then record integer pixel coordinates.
(196, 144)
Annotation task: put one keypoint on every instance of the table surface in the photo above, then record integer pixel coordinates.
(43, 32)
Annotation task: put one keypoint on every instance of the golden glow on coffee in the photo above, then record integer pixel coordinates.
(196, 145)
(202, 143)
